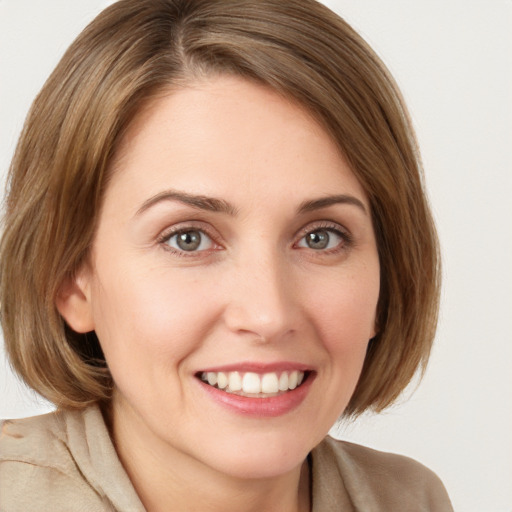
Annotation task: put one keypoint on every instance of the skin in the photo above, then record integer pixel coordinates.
(254, 291)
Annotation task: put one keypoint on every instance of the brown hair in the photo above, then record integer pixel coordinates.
(129, 53)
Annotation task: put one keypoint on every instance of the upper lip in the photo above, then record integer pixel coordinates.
(258, 367)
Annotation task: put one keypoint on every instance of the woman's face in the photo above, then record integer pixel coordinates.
(234, 246)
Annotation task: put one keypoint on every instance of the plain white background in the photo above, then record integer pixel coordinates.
(453, 61)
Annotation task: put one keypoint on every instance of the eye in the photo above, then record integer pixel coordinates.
(322, 239)
(190, 240)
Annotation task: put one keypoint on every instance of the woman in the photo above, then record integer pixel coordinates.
(216, 244)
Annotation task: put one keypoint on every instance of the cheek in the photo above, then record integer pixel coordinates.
(344, 313)
(150, 319)
(348, 308)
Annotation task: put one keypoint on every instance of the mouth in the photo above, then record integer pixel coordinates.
(253, 384)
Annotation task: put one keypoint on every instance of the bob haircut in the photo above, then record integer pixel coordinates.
(136, 50)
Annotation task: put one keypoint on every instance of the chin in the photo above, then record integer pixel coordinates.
(262, 457)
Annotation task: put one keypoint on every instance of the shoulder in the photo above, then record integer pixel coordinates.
(380, 466)
(376, 480)
(38, 470)
(34, 440)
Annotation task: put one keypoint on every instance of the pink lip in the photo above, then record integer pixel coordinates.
(260, 407)
(280, 366)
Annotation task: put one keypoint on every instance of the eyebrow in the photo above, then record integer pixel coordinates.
(215, 205)
(200, 202)
(325, 202)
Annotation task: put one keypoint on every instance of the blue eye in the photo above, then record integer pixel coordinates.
(191, 240)
(321, 240)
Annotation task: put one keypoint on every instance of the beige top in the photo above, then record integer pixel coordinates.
(65, 461)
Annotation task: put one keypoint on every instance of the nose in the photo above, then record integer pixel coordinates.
(260, 300)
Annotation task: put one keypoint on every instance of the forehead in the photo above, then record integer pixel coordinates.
(225, 135)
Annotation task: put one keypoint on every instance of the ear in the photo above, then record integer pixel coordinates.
(74, 301)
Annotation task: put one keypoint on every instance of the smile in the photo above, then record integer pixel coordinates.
(258, 390)
(254, 385)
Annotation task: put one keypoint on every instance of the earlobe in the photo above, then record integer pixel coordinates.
(74, 302)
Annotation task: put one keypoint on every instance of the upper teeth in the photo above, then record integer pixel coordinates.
(254, 383)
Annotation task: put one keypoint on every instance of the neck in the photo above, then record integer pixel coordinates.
(168, 479)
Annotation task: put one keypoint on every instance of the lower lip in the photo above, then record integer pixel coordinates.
(261, 407)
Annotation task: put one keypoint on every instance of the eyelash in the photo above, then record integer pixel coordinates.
(166, 236)
(345, 244)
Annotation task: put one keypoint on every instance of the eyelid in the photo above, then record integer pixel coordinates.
(323, 224)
